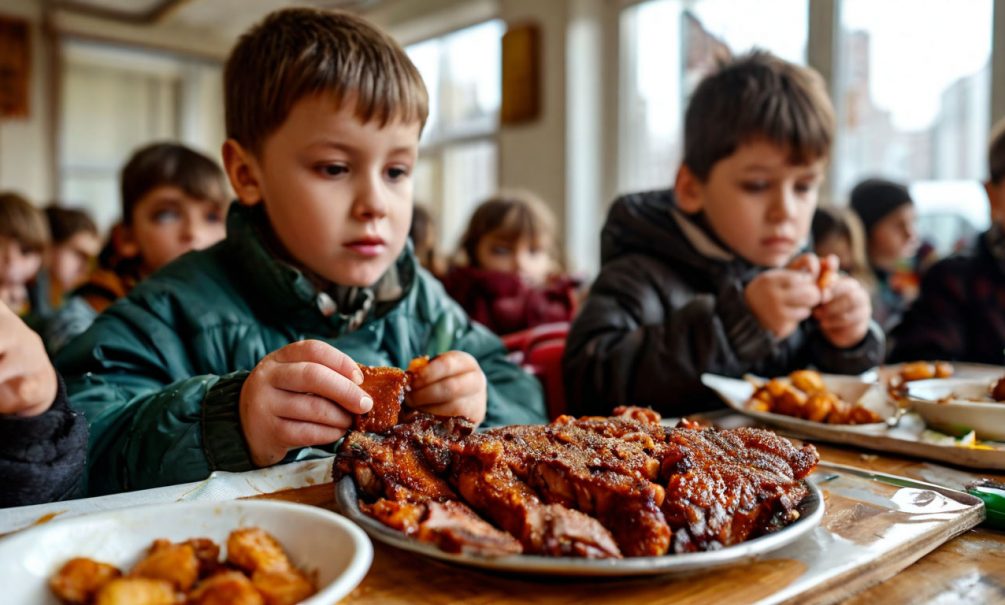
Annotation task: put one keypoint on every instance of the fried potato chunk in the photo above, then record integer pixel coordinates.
(79, 579)
(252, 549)
(282, 587)
(808, 381)
(137, 591)
(227, 588)
(174, 563)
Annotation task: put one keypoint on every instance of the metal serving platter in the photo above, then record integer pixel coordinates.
(811, 511)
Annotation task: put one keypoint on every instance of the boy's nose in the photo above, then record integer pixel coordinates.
(783, 205)
(369, 203)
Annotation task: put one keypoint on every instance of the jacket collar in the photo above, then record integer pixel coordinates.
(279, 289)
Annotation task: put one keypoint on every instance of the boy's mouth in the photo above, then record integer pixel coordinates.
(777, 242)
(366, 246)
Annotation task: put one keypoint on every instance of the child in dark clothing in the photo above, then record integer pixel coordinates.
(245, 354)
(960, 313)
(506, 276)
(74, 246)
(43, 443)
(708, 277)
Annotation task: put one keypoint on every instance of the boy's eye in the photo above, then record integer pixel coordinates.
(334, 169)
(500, 250)
(396, 172)
(754, 186)
(214, 216)
(804, 187)
(165, 215)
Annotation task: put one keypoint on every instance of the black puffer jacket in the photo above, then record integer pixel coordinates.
(667, 306)
(42, 457)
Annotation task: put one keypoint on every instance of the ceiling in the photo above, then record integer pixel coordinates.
(224, 17)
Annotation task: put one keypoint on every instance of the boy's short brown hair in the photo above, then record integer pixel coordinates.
(298, 52)
(64, 223)
(757, 96)
(172, 165)
(22, 222)
(996, 153)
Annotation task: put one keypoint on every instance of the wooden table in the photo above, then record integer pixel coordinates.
(969, 569)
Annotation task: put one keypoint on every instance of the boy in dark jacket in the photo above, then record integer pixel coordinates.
(706, 278)
(244, 354)
(43, 444)
(960, 312)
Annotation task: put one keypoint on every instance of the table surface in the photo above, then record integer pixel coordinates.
(968, 569)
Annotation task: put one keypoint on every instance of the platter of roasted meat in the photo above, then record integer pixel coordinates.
(619, 495)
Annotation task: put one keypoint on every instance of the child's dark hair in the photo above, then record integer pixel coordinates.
(169, 164)
(299, 52)
(996, 153)
(512, 215)
(758, 96)
(64, 223)
(23, 222)
(827, 223)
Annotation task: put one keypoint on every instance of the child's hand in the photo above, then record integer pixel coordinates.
(302, 394)
(782, 298)
(452, 384)
(27, 379)
(844, 316)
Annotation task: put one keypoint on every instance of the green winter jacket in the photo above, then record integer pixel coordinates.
(159, 374)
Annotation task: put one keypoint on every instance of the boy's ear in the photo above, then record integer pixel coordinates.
(242, 171)
(688, 190)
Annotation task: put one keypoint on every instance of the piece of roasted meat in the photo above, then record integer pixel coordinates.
(387, 387)
(592, 487)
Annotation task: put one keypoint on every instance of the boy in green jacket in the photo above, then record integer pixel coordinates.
(242, 355)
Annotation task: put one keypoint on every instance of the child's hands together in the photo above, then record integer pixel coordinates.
(782, 298)
(305, 393)
(27, 379)
(844, 313)
(452, 384)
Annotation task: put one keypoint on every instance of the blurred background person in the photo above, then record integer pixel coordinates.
(424, 239)
(174, 200)
(23, 239)
(839, 232)
(890, 224)
(506, 274)
(74, 247)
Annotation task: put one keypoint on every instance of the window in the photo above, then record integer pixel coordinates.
(457, 165)
(913, 90)
(658, 72)
(114, 101)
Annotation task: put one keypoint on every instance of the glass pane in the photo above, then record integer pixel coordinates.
(469, 177)
(658, 72)
(913, 89)
(426, 57)
(462, 71)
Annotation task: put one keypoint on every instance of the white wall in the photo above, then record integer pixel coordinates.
(25, 143)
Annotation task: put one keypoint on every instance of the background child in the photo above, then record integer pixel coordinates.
(74, 246)
(174, 200)
(889, 219)
(839, 232)
(23, 238)
(43, 443)
(244, 354)
(703, 278)
(959, 313)
(505, 276)
(423, 235)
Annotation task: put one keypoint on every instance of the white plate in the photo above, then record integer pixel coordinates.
(962, 412)
(811, 511)
(736, 393)
(315, 539)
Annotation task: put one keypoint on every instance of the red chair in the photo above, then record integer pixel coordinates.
(539, 351)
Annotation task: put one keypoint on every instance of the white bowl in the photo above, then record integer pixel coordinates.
(969, 406)
(317, 540)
